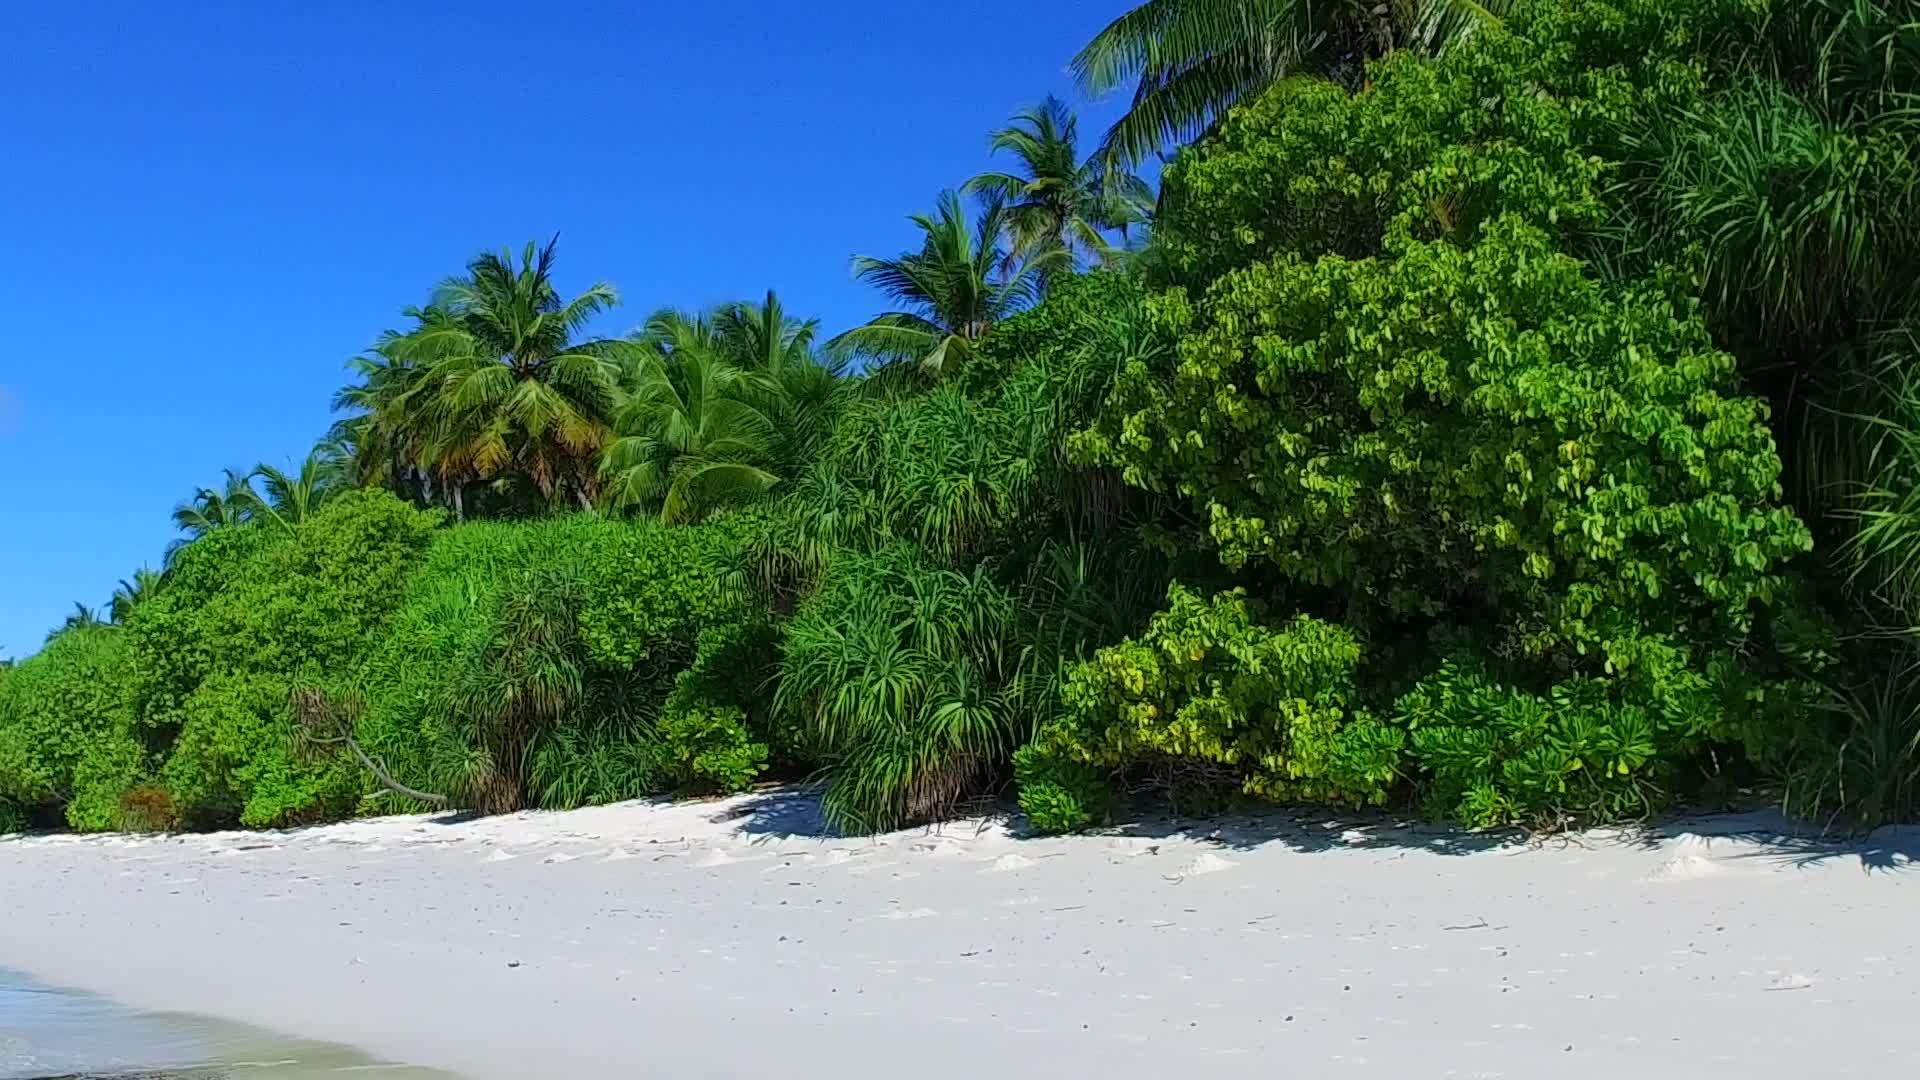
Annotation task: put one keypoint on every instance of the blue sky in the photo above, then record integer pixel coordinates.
(208, 207)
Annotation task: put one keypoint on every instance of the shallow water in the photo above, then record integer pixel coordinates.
(48, 1033)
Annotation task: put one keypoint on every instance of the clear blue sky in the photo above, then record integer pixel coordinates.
(208, 207)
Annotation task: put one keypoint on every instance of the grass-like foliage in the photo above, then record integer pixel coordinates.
(908, 675)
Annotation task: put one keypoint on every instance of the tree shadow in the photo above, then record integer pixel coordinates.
(779, 814)
(1310, 831)
(784, 813)
(796, 813)
(1774, 837)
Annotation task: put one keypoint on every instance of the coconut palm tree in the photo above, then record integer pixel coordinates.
(806, 387)
(132, 593)
(83, 618)
(289, 499)
(381, 439)
(763, 337)
(210, 509)
(1190, 61)
(691, 434)
(506, 390)
(951, 291)
(1055, 201)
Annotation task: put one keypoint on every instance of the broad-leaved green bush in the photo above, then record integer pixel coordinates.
(708, 748)
(68, 748)
(1057, 793)
(1402, 398)
(1274, 709)
(249, 614)
(572, 661)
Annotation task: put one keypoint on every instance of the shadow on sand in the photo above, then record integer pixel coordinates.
(1772, 836)
(786, 813)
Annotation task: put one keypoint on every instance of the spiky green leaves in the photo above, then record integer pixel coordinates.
(491, 384)
(951, 291)
(1057, 204)
(906, 675)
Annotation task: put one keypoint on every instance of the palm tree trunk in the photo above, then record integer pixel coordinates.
(386, 778)
(459, 502)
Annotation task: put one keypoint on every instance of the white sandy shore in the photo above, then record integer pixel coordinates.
(731, 939)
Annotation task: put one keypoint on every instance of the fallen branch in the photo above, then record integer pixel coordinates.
(320, 725)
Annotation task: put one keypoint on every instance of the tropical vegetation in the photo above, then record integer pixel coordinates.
(1499, 413)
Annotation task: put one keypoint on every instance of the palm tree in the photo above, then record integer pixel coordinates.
(131, 594)
(764, 338)
(1190, 61)
(1056, 202)
(952, 290)
(210, 509)
(218, 508)
(505, 391)
(806, 389)
(380, 442)
(291, 498)
(691, 434)
(83, 618)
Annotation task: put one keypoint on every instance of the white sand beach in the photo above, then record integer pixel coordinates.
(734, 939)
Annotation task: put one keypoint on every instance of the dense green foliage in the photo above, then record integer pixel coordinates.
(1509, 417)
(1207, 693)
(67, 744)
(571, 661)
(249, 615)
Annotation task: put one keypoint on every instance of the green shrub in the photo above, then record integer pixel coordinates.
(580, 764)
(167, 637)
(67, 741)
(234, 760)
(651, 589)
(1402, 396)
(708, 748)
(12, 819)
(1586, 749)
(907, 677)
(1270, 711)
(112, 772)
(573, 661)
(976, 465)
(1504, 433)
(447, 611)
(944, 557)
(1057, 793)
(248, 614)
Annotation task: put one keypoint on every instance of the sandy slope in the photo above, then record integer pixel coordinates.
(732, 940)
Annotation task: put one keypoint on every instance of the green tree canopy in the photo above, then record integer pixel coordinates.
(951, 291)
(1057, 203)
(493, 384)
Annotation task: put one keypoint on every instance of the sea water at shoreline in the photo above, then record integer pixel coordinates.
(47, 1032)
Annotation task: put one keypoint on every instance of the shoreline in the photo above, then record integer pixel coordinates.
(733, 938)
(53, 1032)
